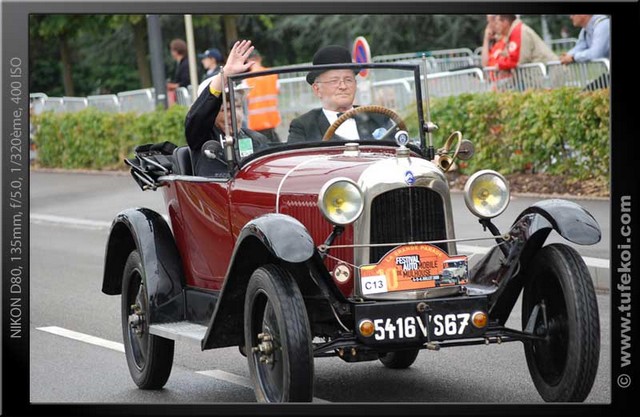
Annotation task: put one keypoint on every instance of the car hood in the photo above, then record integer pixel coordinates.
(304, 172)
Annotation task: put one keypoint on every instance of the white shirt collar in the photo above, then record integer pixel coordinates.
(347, 130)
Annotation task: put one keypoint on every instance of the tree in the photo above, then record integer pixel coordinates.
(62, 28)
(138, 26)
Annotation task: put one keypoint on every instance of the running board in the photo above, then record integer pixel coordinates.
(180, 330)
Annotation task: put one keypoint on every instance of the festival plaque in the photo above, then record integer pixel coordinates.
(414, 267)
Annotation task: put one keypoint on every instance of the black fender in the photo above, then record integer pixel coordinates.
(272, 238)
(498, 271)
(149, 233)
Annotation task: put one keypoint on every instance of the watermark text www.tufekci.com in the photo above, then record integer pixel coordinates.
(623, 287)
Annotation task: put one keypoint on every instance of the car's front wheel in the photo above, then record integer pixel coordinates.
(149, 357)
(559, 304)
(278, 337)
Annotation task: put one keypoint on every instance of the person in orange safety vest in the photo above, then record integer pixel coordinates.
(262, 101)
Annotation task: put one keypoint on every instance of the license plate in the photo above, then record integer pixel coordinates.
(401, 322)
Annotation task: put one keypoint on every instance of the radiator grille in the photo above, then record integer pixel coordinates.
(406, 214)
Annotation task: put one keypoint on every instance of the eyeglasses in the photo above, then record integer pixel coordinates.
(334, 82)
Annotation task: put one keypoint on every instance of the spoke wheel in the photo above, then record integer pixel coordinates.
(278, 337)
(149, 357)
(563, 366)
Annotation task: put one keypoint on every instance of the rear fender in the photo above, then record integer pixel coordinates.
(148, 232)
(498, 272)
(272, 238)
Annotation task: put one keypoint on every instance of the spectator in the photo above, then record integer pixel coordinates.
(205, 120)
(336, 90)
(492, 42)
(522, 44)
(262, 100)
(211, 60)
(181, 78)
(593, 41)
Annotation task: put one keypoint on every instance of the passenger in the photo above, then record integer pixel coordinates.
(262, 101)
(205, 120)
(336, 90)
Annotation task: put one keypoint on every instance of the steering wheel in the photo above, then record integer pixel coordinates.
(446, 161)
(398, 122)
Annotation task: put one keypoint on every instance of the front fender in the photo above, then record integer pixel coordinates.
(146, 231)
(498, 271)
(272, 238)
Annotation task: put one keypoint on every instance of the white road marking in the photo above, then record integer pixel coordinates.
(215, 373)
(69, 221)
(74, 222)
(228, 377)
(97, 224)
(481, 250)
(83, 337)
(240, 380)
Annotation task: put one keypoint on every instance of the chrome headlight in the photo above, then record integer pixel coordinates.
(486, 193)
(341, 201)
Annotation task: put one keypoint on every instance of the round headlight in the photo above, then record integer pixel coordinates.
(486, 193)
(341, 201)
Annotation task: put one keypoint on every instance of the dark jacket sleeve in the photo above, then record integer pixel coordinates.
(296, 131)
(200, 119)
(182, 73)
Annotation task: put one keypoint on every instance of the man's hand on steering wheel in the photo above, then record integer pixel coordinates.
(397, 120)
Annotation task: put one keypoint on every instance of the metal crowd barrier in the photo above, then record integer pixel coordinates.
(587, 75)
(140, 101)
(105, 102)
(562, 45)
(296, 97)
(183, 96)
(73, 104)
(454, 83)
(523, 77)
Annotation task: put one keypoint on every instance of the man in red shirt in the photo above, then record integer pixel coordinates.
(522, 44)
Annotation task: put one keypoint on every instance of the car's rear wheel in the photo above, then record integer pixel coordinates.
(278, 337)
(399, 359)
(559, 288)
(149, 357)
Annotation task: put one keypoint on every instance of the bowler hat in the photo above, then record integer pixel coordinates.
(332, 54)
(211, 53)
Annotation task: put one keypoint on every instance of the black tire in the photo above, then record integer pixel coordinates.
(563, 366)
(400, 359)
(149, 357)
(274, 306)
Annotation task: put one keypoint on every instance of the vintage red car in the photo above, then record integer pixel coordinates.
(345, 249)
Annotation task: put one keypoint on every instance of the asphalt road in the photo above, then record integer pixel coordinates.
(75, 328)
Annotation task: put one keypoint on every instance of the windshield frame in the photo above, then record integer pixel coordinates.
(238, 78)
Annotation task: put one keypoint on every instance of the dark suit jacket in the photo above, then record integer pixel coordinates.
(311, 126)
(200, 128)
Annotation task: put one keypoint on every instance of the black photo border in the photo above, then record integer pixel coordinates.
(625, 94)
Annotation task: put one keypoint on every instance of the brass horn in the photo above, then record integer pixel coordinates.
(445, 161)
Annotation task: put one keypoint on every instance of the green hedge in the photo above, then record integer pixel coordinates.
(92, 139)
(561, 131)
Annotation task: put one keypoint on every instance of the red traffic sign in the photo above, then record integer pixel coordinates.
(361, 54)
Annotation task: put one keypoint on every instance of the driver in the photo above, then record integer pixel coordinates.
(205, 120)
(336, 90)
